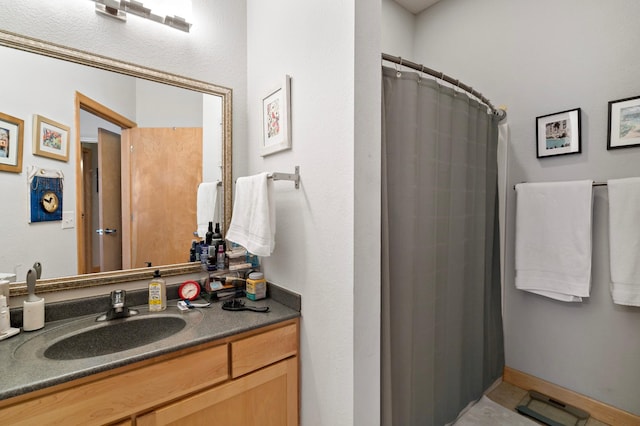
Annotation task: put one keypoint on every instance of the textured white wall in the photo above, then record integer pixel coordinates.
(538, 58)
(315, 254)
(214, 51)
(398, 28)
(367, 212)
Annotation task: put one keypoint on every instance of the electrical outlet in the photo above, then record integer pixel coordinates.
(68, 220)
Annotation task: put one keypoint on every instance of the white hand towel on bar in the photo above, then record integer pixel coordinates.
(253, 224)
(207, 199)
(553, 239)
(624, 240)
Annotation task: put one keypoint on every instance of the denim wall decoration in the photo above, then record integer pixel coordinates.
(45, 196)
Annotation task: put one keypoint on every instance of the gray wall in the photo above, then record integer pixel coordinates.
(538, 58)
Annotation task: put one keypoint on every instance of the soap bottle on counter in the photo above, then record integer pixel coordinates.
(157, 293)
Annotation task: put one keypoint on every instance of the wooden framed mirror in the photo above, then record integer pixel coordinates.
(85, 102)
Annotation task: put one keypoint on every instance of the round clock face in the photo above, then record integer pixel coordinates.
(189, 290)
(50, 202)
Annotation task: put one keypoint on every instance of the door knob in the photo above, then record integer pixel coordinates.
(106, 231)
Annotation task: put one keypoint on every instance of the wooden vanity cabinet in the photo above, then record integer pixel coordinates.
(263, 392)
(265, 397)
(247, 379)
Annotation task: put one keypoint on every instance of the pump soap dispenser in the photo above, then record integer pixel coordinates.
(33, 307)
(157, 293)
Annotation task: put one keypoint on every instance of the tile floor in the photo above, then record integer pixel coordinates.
(509, 396)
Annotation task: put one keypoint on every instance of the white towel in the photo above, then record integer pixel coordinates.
(553, 239)
(624, 240)
(207, 199)
(253, 224)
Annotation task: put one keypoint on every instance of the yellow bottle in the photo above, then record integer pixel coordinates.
(157, 293)
(256, 286)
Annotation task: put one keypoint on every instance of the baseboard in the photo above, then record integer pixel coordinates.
(598, 410)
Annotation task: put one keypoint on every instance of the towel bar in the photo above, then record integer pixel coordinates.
(295, 177)
(594, 184)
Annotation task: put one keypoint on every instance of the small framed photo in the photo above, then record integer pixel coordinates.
(276, 119)
(624, 123)
(11, 138)
(558, 134)
(50, 139)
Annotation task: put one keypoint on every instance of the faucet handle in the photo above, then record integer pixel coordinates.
(118, 310)
(118, 298)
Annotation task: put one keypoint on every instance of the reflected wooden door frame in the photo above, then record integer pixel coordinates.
(87, 163)
(83, 102)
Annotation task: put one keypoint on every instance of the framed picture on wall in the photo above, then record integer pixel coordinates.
(558, 133)
(624, 123)
(11, 137)
(276, 119)
(50, 139)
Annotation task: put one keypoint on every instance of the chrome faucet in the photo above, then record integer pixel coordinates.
(118, 308)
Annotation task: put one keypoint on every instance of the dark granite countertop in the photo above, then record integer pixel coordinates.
(23, 368)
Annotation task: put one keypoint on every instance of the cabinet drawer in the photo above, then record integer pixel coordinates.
(263, 349)
(266, 397)
(109, 399)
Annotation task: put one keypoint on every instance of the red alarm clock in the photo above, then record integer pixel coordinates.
(189, 290)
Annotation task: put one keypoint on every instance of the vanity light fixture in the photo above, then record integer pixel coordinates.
(119, 9)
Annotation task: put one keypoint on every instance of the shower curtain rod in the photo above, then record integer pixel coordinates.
(502, 114)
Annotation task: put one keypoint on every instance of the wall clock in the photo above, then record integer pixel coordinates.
(50, 202)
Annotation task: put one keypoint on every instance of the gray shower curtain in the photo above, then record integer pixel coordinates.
(442, 342)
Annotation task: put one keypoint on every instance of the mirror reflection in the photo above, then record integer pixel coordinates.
(138, 149)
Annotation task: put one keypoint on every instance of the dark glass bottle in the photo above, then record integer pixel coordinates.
(216, 238)
(216, 234)
(192, 252)
(209, 235)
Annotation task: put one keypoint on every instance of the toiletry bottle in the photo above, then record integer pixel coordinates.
(209, 235)
(192, 252)
(4, 288)
(216, 233)
(220, 257)
(5, 321)
(216, 238)
(211, 262)
(256, 286)
(204, 253)
(157, 293)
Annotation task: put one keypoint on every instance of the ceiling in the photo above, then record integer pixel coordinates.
(416, 6)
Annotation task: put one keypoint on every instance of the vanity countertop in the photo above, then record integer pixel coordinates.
(23, 370)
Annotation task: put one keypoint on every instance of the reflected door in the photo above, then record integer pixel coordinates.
(165, 171)
(109, 195)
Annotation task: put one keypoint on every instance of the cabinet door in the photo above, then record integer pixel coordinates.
(268, 397)
(111, 398)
